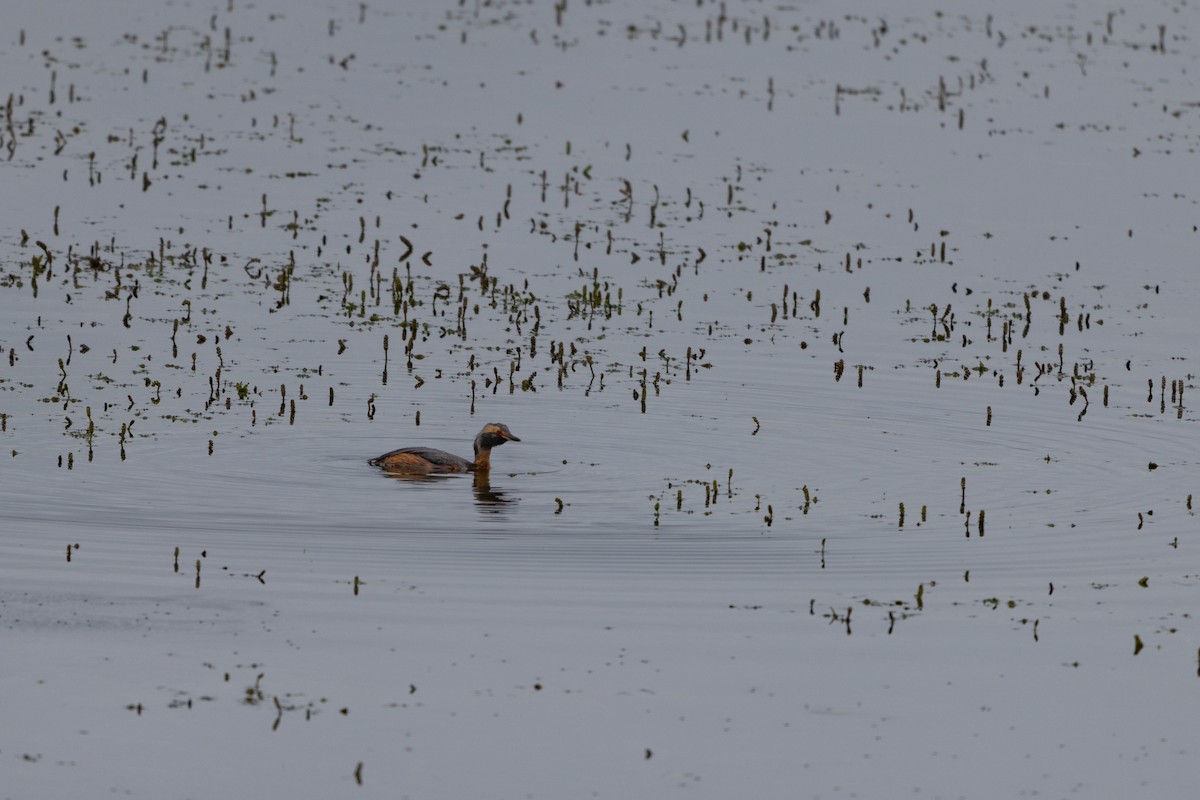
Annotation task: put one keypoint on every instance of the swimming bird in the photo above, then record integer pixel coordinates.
(427, 459)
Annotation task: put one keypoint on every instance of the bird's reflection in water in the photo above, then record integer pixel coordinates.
(488, 499)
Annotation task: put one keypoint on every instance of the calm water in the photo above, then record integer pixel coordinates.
(851, 353)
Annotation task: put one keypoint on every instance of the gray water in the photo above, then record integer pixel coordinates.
(866, 468)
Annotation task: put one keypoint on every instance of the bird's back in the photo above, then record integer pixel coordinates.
(422, 458)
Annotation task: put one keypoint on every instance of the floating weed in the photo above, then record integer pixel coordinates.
(713, 493)
(424, 309)
(844, 619)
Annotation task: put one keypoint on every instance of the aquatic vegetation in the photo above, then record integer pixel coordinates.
(765, 288)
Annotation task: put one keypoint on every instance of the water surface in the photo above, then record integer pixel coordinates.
(850, 352)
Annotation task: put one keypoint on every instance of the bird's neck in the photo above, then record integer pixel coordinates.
(483, 455)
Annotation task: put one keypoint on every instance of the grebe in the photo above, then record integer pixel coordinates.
(427, 459)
